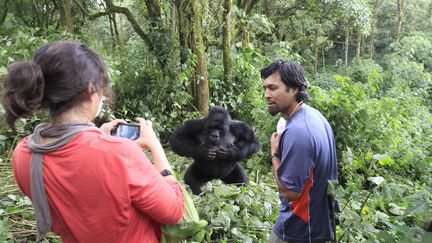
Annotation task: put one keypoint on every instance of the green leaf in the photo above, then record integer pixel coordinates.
(199, 236)
(396, 210)
(227, 191)
(383, 159)
(377, 180)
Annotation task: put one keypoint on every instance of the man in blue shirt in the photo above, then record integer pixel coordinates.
(303, 158)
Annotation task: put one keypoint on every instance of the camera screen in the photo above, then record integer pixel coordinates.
(127, 131)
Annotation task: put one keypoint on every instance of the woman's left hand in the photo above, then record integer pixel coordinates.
(109, 126)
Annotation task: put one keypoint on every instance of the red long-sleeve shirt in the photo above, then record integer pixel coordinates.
(102, 189)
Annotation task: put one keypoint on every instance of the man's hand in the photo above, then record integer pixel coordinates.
(274, 142)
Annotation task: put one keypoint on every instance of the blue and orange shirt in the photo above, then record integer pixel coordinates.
(308, 161)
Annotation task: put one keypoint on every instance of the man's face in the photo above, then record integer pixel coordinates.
(279, 97)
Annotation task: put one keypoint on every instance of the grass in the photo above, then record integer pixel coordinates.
(17, 221)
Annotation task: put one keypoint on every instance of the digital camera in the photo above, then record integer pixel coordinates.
(131, 131)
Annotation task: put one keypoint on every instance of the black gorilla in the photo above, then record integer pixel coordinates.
(217, 144)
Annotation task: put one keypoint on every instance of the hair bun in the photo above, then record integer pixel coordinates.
(23, 90)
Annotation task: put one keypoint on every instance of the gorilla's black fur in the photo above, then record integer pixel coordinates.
(217, 144)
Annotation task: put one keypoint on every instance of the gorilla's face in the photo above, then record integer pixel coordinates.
(217, 127)
(214, 136)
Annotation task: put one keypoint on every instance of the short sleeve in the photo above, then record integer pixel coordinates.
(296, 159)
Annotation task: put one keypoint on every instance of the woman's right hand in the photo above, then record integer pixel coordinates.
(147, 138)
(108, 127)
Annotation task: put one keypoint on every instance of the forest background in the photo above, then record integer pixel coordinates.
(368, 62)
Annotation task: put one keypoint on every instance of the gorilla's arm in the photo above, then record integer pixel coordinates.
(187, 140)
(245, 143)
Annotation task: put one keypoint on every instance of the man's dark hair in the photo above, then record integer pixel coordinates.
(292, 75)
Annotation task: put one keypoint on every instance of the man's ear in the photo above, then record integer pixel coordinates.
(293, 89)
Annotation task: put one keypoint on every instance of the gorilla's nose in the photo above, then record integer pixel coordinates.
(214, 136)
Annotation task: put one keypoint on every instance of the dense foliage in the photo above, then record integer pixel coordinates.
(372, 81)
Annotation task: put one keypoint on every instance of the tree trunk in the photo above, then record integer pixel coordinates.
(65, 15)
(113, 35)
(323, 59)
(111, 8)
(202, 87)
(160, 37)
(246, 6)
(184, 15)
(4, 10)
(316, 50)
(359, 40)
(346, 45)
(373, 30)
(245, 38)
(400, 4)
(153, 10)
(184, 28)
(158, 40)
(430, 9)
(36, 16)
(17, 8)
(49, 16)
(116, 32)
(227, 61)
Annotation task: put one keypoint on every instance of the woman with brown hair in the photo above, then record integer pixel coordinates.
(85, 185)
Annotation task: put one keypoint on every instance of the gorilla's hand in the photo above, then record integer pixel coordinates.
(225, 153)
(212, 153)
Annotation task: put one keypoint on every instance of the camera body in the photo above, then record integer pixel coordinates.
(131, 131)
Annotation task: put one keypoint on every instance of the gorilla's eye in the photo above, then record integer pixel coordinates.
(215, 127)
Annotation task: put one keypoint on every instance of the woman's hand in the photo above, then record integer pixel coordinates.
(274, 142)
(147, 138)
(109, 126)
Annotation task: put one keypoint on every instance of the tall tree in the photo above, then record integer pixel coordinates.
(184, 20)
(112, 8)
(359, 42)
(374, 28)
(114, 30)
(346, 42)
(158, 39)
(355, 15)
(190, 38)
(227, 62)
(246, 6)
(66, 15)
(3, 10)
(400, 6)
(160, 36)
(153, 11)
(202, 88)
